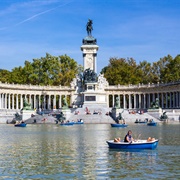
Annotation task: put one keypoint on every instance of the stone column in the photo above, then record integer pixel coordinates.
(144, 101)
(149, 100)
(44, 101)
(39, 101)
(130, 105)
(139, 101)
(17, 102)
(112, 100)
(119, 96)
(107, 97)
(166, 100)
(35, 107)
(170, 105)
(124, 101)
(162, 100)
(153, 97)
(134, 101)
(158, 98)
(21, 101)
(2, 100)
(174, 99)
(5, 102)
(54, 102)
(12, 101)
(48, 105)
(9, 101)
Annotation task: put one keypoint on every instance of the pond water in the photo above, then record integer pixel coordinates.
(80, 152)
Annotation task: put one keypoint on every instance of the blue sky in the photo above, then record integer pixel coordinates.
(141, 29)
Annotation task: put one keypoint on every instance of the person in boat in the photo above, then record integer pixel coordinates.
(117, 139)
(128, 137)
(150, 139)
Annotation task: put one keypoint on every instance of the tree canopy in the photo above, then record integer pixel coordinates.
(126, 71)
(48, 70)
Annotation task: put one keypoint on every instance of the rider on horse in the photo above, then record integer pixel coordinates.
(89, 27)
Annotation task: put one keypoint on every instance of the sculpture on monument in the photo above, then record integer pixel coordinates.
(164, 116)
(117, 103)
(65, 104)
(155, 105)
(60, 117)
(89, 27)
(89, 76)
(26, 105)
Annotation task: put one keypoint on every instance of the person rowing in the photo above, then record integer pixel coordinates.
(128, 138)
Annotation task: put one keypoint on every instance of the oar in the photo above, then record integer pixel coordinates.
(138, 136)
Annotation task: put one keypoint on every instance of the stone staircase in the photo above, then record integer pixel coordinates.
(101, 117)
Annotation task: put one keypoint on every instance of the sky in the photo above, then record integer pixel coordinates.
(141, 29)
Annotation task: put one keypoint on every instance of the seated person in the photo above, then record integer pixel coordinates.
(117, 139)
(128, 138)
(150, 139)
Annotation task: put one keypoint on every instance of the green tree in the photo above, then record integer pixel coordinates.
(171, 72)
(5, 76)
(122, 71)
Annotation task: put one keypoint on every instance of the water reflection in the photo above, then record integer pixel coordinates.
(81, 152)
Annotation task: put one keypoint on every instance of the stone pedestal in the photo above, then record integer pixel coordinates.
(26, 114)
(67, 113)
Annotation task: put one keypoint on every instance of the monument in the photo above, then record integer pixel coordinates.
(65, 109)
(27, 110)
(155, 110)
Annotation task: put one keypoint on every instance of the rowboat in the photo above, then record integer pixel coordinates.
(119, 125)
(67, 124)
(140, 144)
(140, 122)
(79, 122)
(20, 125)
(152, 123)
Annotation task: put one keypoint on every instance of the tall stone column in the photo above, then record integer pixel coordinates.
(139, 101)
(174, 99)
(49, 101)
(162, 100)
(107, 97)
(144, 101)
(5, 102)
(124, 101)
(44, 101)
(119, 96)
(21, 101)
(39, 101)
(17, 102)
(12, 101)
(170, 104)
(35, 107)
(134, 101)
(54, 102)
(166, 100)
(113, 100)
(60, 104)
(149, 100)
(9, 101)
(130, 104)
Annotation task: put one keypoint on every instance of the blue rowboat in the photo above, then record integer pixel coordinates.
(79, 122)
(119, 125)
(20, 125)
(140, 144)
(152, 123)
(67, 124)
